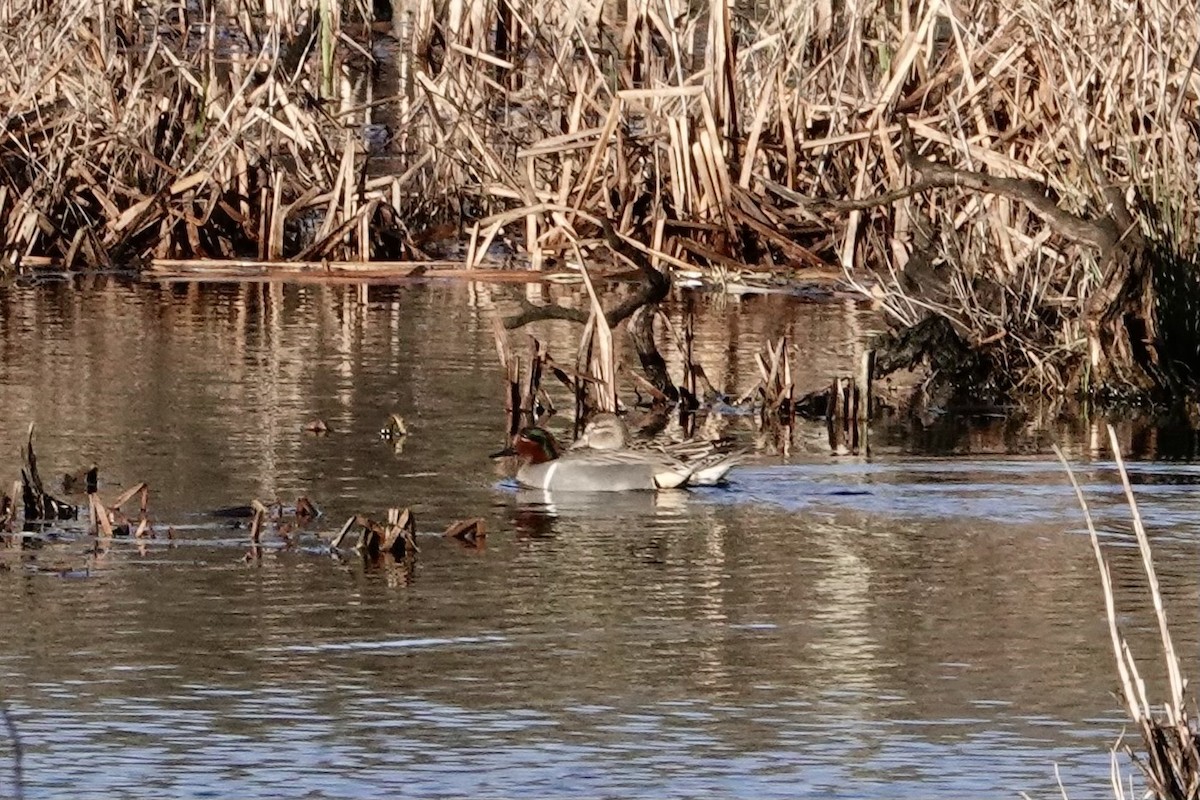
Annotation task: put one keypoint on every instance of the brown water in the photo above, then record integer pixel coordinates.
(910, 625)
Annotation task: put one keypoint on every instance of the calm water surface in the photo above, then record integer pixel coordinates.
(922, 623)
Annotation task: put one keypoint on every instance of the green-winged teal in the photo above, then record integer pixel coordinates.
(545, 465)
(708, 461)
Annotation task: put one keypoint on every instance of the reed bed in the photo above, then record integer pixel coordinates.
(737, 139)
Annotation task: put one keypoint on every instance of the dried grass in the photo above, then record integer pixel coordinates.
(1171, 758)
(722, 136)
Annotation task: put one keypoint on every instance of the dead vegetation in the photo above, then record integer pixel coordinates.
(998, 178)
(41, 519)
(1170, 761)
(43, 515)
(395, 537)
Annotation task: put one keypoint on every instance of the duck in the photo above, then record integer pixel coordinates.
(547, 466)
(709, 460)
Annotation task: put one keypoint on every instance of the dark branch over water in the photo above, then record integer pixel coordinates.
(653, 289)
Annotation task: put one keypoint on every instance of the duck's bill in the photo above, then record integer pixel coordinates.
(508, 451)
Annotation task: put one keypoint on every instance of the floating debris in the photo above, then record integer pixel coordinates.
(394, 428)
(317, 426)
(469, 532)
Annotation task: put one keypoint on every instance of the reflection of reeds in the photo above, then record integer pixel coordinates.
(1171, 763)
(845, 405)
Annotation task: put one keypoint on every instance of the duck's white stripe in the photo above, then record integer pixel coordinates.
(550, 474)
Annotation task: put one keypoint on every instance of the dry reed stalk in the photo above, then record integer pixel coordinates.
(101, 518)
(257, 522)
(194, 130)
(339, 538)
(399, 534)
(1172, 751)
(603, 364)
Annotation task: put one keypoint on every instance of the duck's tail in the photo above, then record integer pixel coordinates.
(711, 469)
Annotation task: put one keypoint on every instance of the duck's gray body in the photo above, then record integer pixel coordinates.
(604, 471)
(705, 463)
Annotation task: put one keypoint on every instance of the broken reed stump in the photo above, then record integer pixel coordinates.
(593, 379)
(595, 371)
(512, 385)
(306, 509)
(396, 538)
(259, 514)
(518, 395)
(526, 401)
(399, 535)
(39, 504)
(865, 404)
(255, 553)
(109, 521)
(846, 405)
(775, 380)
(841, 417)
(8, 513)
(470, 533)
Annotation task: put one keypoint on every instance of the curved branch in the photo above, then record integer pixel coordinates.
(1105, 232)
(1100, 232)
(654, 287)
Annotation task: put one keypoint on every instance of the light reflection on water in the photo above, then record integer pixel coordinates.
(903, 627)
